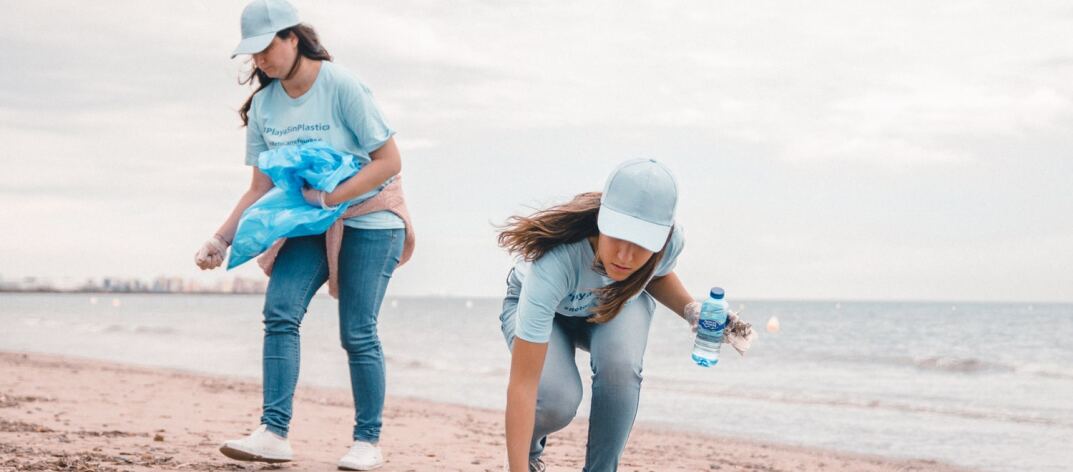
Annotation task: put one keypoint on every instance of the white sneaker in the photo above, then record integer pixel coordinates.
(261, 445)
(362, 456)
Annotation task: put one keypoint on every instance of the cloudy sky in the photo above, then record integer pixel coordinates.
(825, 150)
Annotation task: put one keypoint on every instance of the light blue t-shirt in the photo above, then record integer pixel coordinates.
(338, 110)
(562, 281)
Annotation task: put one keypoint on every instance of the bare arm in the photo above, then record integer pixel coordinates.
(669, 291)
(526, 363)
(386, 162)
(260, 184)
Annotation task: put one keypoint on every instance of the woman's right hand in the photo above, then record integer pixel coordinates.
(212, 253)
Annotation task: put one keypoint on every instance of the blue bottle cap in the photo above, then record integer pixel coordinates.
(717, 293)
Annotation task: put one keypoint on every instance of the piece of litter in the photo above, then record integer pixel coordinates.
(773, 325)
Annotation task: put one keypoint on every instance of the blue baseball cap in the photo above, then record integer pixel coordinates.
(261, 20)
(638, 203)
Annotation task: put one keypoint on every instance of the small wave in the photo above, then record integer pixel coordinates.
(1049, 371)
(487, 371)
(873, 404)
(154, 329)
(975, 366)
(960, 365)
(138, 329)
(957, 365)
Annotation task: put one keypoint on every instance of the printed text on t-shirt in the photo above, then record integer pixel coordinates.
(286, 137)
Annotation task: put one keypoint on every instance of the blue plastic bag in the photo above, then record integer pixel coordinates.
(283, 212)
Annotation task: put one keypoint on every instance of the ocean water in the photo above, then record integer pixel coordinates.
(989, 386)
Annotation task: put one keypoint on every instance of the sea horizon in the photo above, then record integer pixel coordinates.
(323, 293)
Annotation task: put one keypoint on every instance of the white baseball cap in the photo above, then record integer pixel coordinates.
(261, 20)
(638, 203)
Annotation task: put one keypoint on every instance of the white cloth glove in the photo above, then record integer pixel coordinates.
(738, 333)
(212, 253)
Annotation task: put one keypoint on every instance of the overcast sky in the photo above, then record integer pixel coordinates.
(825, 150)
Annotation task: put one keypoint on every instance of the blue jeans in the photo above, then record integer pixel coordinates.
(616, 350)
(367, 259)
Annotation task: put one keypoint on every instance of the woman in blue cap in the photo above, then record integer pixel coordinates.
(589, 271)
(301, 97)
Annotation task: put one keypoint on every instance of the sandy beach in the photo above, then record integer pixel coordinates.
(60, 413)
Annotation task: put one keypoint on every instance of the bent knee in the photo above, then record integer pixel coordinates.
(360, 341)
(617, 371)
(557, 407)
(282, 317)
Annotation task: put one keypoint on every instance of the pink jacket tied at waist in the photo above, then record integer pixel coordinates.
(390, 199)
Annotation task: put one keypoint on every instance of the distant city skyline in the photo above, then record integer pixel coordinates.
(841, 150)
(159, 284)
(254, 286)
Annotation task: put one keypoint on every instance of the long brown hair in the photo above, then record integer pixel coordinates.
(533, 236)
(308, 46)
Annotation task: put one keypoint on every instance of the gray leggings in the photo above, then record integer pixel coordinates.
(616, 353)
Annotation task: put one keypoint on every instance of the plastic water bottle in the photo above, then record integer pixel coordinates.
(713, 319)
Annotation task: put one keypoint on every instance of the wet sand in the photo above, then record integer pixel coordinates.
(71, 414)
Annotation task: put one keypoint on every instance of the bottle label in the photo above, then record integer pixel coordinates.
(711, 325)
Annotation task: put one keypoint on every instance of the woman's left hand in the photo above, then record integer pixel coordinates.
(315, 197)
(311, 195)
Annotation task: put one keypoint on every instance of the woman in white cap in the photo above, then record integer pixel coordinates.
(589, 271)
(301, 97)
